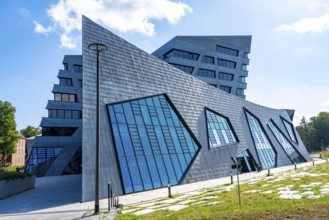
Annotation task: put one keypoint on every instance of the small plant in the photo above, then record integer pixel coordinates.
(13, 175)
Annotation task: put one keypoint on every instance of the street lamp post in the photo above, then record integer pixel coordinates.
(97, 47)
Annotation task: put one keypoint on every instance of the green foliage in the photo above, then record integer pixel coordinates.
(13, 175)
(8, 133)
(315, 133)
(30, 131)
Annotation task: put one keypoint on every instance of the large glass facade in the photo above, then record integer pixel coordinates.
(290, 130)
(41, 159)
(288, 148)
(265, 151)
(153, 145)
(219, 130)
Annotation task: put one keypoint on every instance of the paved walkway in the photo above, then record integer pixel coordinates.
(59, 197)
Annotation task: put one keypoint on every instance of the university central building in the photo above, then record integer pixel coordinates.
(160, 121)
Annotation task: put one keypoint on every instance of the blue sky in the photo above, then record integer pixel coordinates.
(288, 60)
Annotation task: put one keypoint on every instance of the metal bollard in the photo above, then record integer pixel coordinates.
(231, 174)
(113, 200)
(169, 189)
(268, 172)
(109, 195)
(326, 159)
(295, 166)
(313, 162)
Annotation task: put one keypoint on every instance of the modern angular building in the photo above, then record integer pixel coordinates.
(58, 150)
(159, 124)
(220, 61)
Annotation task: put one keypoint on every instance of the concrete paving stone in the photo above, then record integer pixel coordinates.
(288, 192)
(252, 191)
(144, 211)
(193, 193)
(214, 203)
(268, 192)
(169, 201)
(187, 201)
(315, 184)
(314, 196)
(146, 205)
(307, 193)
(198, 203)
(128, 211)
(292, 196)
(175, 207)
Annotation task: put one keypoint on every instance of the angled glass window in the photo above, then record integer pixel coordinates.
(226, 63)
(290, 129)
(265, 151)
(153, 144)
(294, 156)
(226, 50)
(181, 54)
(208, 59)
(206, 73)
(186, 69)
(220, 131)
(41, 158)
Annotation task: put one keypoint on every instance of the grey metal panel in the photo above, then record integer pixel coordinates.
(127, 73)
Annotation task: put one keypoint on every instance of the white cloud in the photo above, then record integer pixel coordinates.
(39, 28)
(121, 15)
(24, 11)
(325, 103)
(312, 25)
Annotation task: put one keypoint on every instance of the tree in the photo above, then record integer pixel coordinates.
(8, 134)
(315, 133)
(30, 131)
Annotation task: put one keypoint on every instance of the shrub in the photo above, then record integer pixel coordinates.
(13, 175)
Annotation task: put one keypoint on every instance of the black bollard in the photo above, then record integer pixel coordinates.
(109, 195)
(268, 172)
(313, 162)
(295, 166)
(169, 189)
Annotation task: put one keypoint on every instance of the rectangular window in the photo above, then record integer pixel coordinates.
(208, 59)
(181, 54)
(214, 85)
(77, 68)
(226, 63)
(65, 82)
(206, 73)
(244, 67)
(239, 91)
(72, 98)
(66, 66)
(242, 79)
(226, 50)
(226, 76)
(187, 69)
(225, 88)
(245, 55)
(57, 96)
(64, 97)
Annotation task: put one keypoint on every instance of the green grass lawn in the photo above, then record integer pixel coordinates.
(257, 205)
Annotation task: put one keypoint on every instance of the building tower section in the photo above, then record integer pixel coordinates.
(58, 150)
(220, 61)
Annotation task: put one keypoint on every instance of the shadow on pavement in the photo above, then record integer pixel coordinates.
(49, 192)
